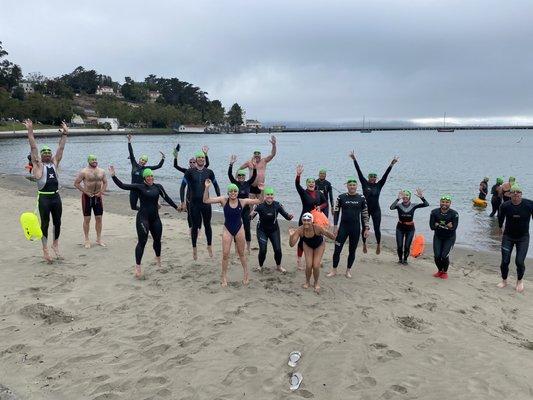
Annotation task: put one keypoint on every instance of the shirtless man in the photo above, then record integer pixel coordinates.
(45, 167)
(260, 164)
(92, 183)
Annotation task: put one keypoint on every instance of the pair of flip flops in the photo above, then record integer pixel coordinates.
(296, 378)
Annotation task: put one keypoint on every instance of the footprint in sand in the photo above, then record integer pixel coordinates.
(363, 383)
(239, 373)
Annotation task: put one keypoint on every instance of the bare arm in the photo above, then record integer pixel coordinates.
(295, 235)
(104, 185)
(59, 153)
(35, 159)
(325, 232)
(77, 182)
(212, 200)
(273, 151)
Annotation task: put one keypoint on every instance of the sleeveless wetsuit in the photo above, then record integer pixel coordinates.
(314, 241)
(244, 193)
(232, 217)
(49, 201)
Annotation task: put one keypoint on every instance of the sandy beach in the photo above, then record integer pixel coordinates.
(84, 328)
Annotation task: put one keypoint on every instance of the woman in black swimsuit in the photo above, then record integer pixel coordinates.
(312, 237)
(233, 229)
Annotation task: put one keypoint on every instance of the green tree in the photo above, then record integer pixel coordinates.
(134, 91)
(82, 80)
(215, 113)
(10, 74)
(18, 93)
(235, 116)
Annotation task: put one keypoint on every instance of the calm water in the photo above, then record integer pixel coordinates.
(436, 162)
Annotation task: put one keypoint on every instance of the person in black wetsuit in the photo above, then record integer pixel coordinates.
(371, 190)
(353, 208)
(147, 220)
(311, 199)
(314, 245)
(324, 187)
(405, 229)
(45, 167)
(516, 213)
(183, 186)
(233, 228)
(483, 189)
(496, 199)
(268, 227)
(443, 221)
(137, 169)
(200, 212)
(244, 193)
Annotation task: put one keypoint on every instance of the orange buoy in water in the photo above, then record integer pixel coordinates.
(319, 218)
(417, 248)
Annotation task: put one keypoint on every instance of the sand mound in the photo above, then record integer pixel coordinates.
(49, 314)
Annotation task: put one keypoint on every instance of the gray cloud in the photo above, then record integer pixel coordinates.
(297, 60)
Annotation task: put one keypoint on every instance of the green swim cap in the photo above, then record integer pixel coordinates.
(407, 192)
(233, 188)
(351, 179)
(91, 158)
(46, 149)
(199, 154)
(516, 188)
(144, 157)
(322, 171)
(147, 172)
(309, 180)
(447, 197)
(372, 175)
(257, 151)
(241, 172)
(269, 190)
(499, 180)
(512, 179)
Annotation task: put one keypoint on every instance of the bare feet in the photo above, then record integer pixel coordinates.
(46, 256)
(299, 264)
(281, 269)
(332, 272)
(246, 280)
(87, 244)
(502, 284)
(138, 272)
(158, 262)
(55, 249)
(348, 274)
(258, 269)
(224, 282)
(317, 288)
(99, 242)
(210, 251)
(194, 254)
(378, 249)
(519, 286)
(306, 285)
(365, 249)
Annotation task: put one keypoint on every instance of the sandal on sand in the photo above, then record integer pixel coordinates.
(296, 380)
(294, 357)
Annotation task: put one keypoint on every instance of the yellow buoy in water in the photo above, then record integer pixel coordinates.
(479, 203)
(31, 226)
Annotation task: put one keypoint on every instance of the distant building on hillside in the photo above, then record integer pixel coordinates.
(27, 87)
(190, 129)
(77, 120)
(253, 124)
(105, 90)
(153, 96)
(113, 122)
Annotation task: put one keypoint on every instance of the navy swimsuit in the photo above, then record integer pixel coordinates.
(232, 217)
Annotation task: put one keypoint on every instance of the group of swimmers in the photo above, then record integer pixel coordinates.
(248, 198)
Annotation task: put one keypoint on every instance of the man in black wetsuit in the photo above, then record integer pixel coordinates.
(137, 169)
(353, 208)
(244, 193)
(483, 188)
(496, 199)
(324, 187)
(443, 221)
(200, 211)
(147, 220)
(268, 228)
(516, 213)
(45, 167)
(371, 190)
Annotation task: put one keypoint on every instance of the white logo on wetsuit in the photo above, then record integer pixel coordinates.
(51, 176)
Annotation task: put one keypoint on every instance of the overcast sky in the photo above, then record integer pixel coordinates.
(309, 60)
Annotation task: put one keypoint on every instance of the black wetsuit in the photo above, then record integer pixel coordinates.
(199, 211)
(354, 209)
(147, 220)
(483, 190)
(137, 175)
(310, 200)
(444, 237)
(183, 187)
(516, 233)
(405, 229)
(324, 187)
(495, 200)
(49, 201)
(371, 191)
(268, 229)
(244, 193)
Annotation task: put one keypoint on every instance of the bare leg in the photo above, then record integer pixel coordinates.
(240, 243)
(226, 248)
(98, 226)
(308, 252)
(46, 255)
(86, 225)
(299, 264)
(317, 260)
(55, 248)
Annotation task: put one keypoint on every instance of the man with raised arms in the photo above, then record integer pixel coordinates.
(259, 163)
(45, 166)
(92, 183)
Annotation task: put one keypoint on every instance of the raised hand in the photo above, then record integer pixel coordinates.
(292, 231)
(273, 140)
(207, 183)
(400, 194)
(395, 160)
(205, 149)
(112, 170)
(63, 128)
(352, 155)
(232, 159)
(419, 193)
(299, 169)
(291, 216)
(28, 124)
(261, 186)
(129, 137)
